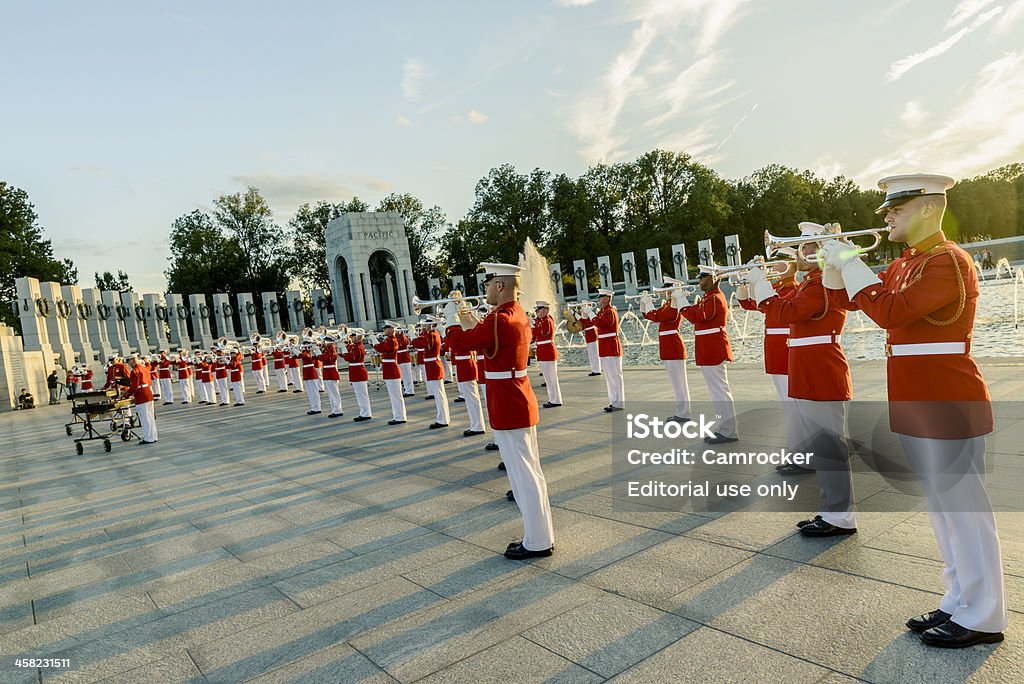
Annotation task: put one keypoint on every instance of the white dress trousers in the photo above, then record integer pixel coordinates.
(790, 417)
(676, 369)
(823, 432)
(471, 392)
(611, 368)
(717, 380)
(147, 418)
(186, 390)
(406, 370)
(282, 378)
(436, 389)
(397, 400)
(313, 393)
(593, 357)
(521, 455)
(549, 369)
(362, 393)
(239, 392)
(333, 395)
(166, 391)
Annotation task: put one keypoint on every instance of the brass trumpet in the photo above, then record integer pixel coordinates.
(738, 274)
(774, 245)
(455, 296)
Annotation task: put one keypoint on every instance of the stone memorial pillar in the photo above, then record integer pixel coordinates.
(200, 311)
(434, 288)
(604, 273)
(579, 274)
(733, 255)
(679, 268)
(480, 284)
(33, 310)
(118, 313)
(57, 325)
(95, 323)
(654, 274)
(271, 313)
(177, 321)
(296, 318)
(247, 314)
(78, 331)
(223, 316)
(556, 283)
(135, 322)
(156, 321)
(705, 252)
(629, 272)
(322, 314)
(459, 283)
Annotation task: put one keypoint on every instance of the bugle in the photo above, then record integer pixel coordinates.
(774, 245)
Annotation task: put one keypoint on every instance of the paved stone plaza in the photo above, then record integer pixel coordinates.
(259, 543)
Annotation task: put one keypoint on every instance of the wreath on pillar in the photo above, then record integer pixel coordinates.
(122, 312)
(297, 305)
(275, 307)
(204, 311)
(182, 311)
(140, 312)
(555, 276)
(63, 308)
(43, 307)
(161, 313)
(321, 304)
(84, 310)
(627, 268)
(227, 309)
(250, 308)
(103, 310)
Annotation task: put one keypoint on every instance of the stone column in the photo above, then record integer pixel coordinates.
(604, 272)
(459, 283)
(366, 309)
(480, 284)
(78, 331)
(705, 252)
(201, 320)
(156, 321)
(654, 275)
(434, 288)
(579, 273)
(679, 262)
(33, 325)
(321, 307)
(177, 321)
(629, 272)
(117, 313)
(95, 324)
(556, 283)
(408, 290)
(223, 314)
(271, 313)
(733, 253)
(57, 326)
(247, 314)
(135, 322)
(296, 319)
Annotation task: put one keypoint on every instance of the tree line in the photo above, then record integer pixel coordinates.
(657, 200)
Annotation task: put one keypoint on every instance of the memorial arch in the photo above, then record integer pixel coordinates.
(370, 269)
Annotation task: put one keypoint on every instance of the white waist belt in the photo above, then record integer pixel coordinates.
(432, 358)
(144, 386)
(776, 331)
(924, 348)
(355, 364)
(308, 365)
(668, 332)
(813, 340)
(388, 361)
(504, 375)
(708, 331)
(464, 358)
(540, 342)
(604, 335)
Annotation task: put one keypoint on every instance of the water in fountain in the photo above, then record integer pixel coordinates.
(1003, 266)
(535, 280)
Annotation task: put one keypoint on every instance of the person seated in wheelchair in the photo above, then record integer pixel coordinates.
(26, 400)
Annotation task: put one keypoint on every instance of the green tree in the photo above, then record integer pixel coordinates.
(461, 251)
(423, 228)
(509, 208)
(248, 219)
(203, 260)
(108, 281)
(23, 251)
(307, 256)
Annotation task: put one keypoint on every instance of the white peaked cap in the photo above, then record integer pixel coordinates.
(811, 228)
(493, 270)
(541, 304)
(605, 293)
(390, 324)
(674, 281)
(899, 189)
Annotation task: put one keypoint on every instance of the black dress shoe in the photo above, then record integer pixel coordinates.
(549, 404)
(239, 404)
(820, 528)
(805, 523)
(491, 446)
(520, 552)
(279, 391)
(410, 394)
(928, 620)
(312, 413)
(510, 496)
(184, 402)
(793, 469)
(395, 422)
(447, 382)
(472, 433)
(612, 409)
(458, 400)
(296, 391)
(677, 419)
(501, 466)
(719, 438)
(435, 426)
(951, 635)
(593, 374)
(543, 384)
(360, 419)
(335, 415)
(259, 391)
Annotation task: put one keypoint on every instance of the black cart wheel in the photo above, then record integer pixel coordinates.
(79, 449)
(67, 429)
(113, 426)
(126, 436)
(106, 445)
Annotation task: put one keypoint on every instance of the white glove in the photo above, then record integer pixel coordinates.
(679, 298)
(742, 291)
(759, 285)
(588, 310)
(832, 277)
(837, 253)
(755, 275)
(646, 303)
(857, 276)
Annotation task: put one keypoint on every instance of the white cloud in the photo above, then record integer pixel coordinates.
(574, 3)
(402, 121)
(913, 115)
(901, 66)
(285, 192)
(985, 131)
(414, 75)
(827, 169)
(964, 10)
(636, 78)
(1009, 18)
(476, 117)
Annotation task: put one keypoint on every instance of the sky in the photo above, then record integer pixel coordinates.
(118, 117)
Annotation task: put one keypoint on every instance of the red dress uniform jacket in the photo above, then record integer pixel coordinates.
(465, 362)
(709, 314)
(403, 348)
(235, 370)
(292, 361)
(355, 354)
(329, 358)
(776, 342)
(279, 359)
(544, 336)
(942, 396)
(184, 370)
(819, 371)
(204, 372)
(504, 338)
(308, 366)
(606, 322)
(154, 369)
(388, 348)
(87, 381)
(430, 343)
(138, 387)
(589, 331)
(257, 361)
(220, 369)
(115, 372)
(670, 341)
(165, 368)
(481, 370)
